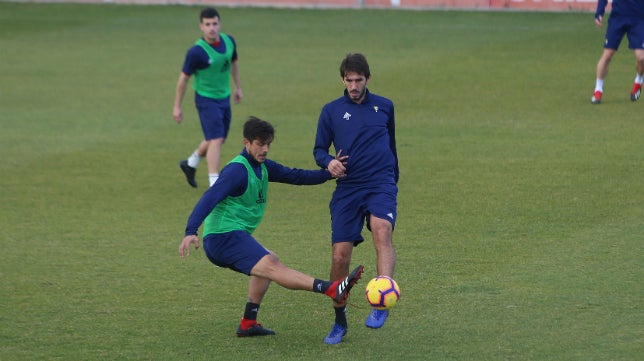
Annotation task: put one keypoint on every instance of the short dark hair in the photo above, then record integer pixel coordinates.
(357, 63)
(255, 128)
(209, 13)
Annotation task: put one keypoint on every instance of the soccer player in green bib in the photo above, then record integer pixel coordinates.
(233, 208)
(213, 62)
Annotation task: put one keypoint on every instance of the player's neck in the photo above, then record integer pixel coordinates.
(213, 42)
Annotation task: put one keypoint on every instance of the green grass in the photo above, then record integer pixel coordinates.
(521, 205)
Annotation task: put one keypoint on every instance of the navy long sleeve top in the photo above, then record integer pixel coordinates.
(366, 132)
(622, 8)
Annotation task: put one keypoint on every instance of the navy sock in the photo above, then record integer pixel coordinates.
(250, 313)
(341, 316)
(320, 286)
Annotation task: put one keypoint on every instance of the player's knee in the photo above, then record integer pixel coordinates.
(382, 234)
(274, 256)
(268, 265)
(341, 258)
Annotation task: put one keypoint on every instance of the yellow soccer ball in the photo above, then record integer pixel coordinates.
(382, 292)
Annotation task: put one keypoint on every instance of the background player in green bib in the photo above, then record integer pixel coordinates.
(234, 206)
(213, 61)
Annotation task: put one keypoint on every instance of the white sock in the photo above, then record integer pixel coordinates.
(213, 178)
(193, 159)
(638, 78)
(599, 85)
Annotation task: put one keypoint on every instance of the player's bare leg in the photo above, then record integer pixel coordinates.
(340, 262)
(270, 267)
(212, 158)
(639, 58)
(636, 91)
(257, 287)
(604, 63)
(602, 70)
(382, 232)
(248, 326)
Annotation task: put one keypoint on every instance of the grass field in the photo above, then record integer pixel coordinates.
(521, 205)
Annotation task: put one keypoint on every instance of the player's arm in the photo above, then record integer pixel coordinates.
(391, 127)
(231, 182)
(238, 94)
(323, 139)
(283, 174)
(180, 92)
(196, 58)
(599, 13)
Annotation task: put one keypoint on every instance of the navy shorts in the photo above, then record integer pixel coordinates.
(215, 115)
(351, 208)
(619, 26)
(236, 250)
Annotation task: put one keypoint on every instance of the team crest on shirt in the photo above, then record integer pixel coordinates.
(346, 116)
(375, 107)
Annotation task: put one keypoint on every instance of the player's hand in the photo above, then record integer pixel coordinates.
(341, 158)
(177, 114)
(598, 21)
(238, 95)
(184, 247)
(337, 166)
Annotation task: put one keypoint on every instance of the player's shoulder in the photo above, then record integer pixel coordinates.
(234, 167)
(228, 36)
(379, 103)
(275, 170)
(196, 51)
(272, 166)
(380, 98)
(335, 102)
